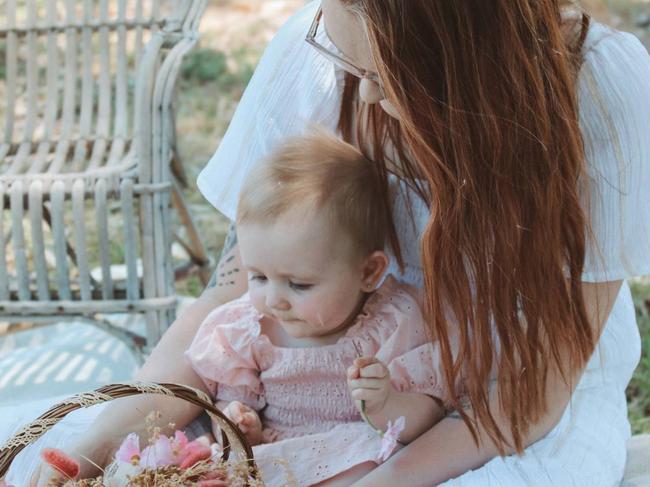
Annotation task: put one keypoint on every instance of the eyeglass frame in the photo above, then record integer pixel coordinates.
(335, 58)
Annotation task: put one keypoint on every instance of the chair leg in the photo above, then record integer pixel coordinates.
(195, 247)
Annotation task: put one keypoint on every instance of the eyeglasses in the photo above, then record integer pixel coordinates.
(337, 59)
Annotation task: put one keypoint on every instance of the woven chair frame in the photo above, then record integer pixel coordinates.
(233, 439)
(89, 137)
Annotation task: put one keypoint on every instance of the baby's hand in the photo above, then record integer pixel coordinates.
(369, 380)
(247, 420)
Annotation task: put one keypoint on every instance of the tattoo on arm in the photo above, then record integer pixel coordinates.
(224, 274)
(466, 405)
(213, 279)
(230, 242)
(453, 415)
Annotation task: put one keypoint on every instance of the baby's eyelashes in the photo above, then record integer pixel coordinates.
(300, 287)
(296, 286)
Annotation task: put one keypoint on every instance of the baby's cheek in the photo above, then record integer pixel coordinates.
(311, 311)
(336, 309)
(257, 300)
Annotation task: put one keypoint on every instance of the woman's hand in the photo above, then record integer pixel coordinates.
(246, 419)
(369, 381)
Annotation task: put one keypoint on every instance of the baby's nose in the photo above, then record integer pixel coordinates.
(370, 92)
(275, 300)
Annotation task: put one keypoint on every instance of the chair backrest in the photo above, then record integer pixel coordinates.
(67, 81)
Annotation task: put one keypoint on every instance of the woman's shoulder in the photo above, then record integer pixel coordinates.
(293, 32)
(292, 87)
(614, 79)
(605, 40)
(289, 63)
(614, 108)
(614, 100)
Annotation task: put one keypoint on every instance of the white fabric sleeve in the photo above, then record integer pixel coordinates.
(614, 101)
(293, 87)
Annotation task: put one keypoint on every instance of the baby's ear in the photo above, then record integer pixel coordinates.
(373, 270)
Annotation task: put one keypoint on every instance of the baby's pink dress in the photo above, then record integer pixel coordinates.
(310, 421)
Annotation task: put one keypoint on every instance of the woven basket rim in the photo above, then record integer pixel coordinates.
(233, 438)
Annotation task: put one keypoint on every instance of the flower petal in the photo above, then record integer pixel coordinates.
(159, 454)
(390, 437)
(129, 449)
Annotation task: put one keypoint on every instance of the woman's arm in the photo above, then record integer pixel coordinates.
(420, 411)
(166, 363)
(447, 450)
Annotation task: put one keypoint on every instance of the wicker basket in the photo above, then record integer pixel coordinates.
(233, 439)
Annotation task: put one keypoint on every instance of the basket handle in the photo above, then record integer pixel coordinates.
(232, 435)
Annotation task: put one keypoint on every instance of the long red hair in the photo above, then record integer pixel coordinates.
(488, 135)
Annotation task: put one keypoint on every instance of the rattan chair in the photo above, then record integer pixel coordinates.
(87, 89)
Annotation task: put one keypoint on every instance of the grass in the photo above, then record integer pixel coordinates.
(638, 391)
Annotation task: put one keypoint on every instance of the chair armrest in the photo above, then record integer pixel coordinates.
(143, 103)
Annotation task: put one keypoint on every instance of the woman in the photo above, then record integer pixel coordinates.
(515, 139)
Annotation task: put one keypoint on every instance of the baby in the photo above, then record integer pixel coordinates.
(322, 336)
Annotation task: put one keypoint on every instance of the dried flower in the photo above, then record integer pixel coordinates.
(389, 438)
(61, 461)
(194, 452)
(165, 462)
(179, 442)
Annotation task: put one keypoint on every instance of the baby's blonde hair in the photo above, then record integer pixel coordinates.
(321, 172)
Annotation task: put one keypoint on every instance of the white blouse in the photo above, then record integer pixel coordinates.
(294, 86)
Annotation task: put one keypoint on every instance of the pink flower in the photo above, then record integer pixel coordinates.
(129, 451)
(159, 454)
(180, 441)
(193, 452)
(389, 438)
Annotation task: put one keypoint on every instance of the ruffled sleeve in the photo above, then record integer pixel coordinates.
(394, 326)
(614, 102)
(223, 354)
(293, 86)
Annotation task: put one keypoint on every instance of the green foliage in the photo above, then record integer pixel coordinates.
(243, 63)
(228, 71)
(192, 286)
(638, 392)
(3, 56)
(204, 65)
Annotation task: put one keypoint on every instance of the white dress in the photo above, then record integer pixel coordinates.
(294, 86)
